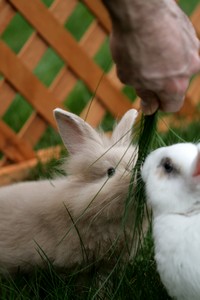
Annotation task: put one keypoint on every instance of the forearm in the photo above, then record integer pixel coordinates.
(125, 14)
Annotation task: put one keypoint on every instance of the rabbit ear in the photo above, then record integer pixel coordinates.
(123, 131)
(74, 131)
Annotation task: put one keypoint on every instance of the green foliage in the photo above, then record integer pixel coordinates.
(17, 113)
(47, 2)
(129, 92)
(189, 133)
(49, 138)
(78, 98)
(50, 170)
(188, 6)
(46, 71)
(138, 280)
(79, 21)
(107, 122)
(17, 32)
(103, 57)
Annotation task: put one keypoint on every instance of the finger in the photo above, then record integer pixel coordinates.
(149, 101)
(149, 108)
(171, 98)
(194, 66)
(171, 103)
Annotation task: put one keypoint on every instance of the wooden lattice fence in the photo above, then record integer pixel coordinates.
(18, 77)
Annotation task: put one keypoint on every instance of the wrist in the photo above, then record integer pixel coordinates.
(127, 14)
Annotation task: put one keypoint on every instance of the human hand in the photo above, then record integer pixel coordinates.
(156, 52)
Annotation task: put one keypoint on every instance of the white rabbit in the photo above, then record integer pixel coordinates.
(77, 218)
(172, 178)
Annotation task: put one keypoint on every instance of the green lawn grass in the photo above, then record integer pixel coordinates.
(140, 279)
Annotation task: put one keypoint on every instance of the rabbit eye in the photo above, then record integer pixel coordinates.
(110, 172)
(168, 166)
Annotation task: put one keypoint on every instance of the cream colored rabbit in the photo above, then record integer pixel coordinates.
(75, 219)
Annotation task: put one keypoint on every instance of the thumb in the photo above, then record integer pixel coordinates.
(149, 101)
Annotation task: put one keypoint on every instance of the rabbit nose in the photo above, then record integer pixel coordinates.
(128, 168)
(197, 164)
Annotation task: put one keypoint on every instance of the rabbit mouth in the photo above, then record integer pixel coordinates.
(128, 169)
(192, 212)
(188, 214)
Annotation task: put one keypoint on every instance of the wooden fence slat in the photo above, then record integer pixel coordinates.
(34, 48)
(14, 148)
(96, 112)
(30, 54)
(62, 9)
(19, 171)
(33, 129)
(37, 14)
(6, 15)
(32, 51)
(3, 162)
(114, 78)
(63, 84)
(195, 18)
(100, 12)
(194, 90)
(7, 95)
(65, 79)
(28, 85)
(92, 39)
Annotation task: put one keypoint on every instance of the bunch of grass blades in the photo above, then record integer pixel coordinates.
(138, 278)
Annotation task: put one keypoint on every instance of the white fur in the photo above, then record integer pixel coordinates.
(49, 217)
(175, 199)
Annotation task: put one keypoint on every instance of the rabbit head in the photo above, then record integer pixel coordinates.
(172, 179)
(99, 166)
